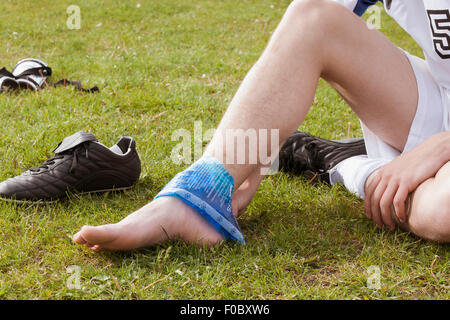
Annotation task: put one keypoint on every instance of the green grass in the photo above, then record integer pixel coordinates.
(160, 67)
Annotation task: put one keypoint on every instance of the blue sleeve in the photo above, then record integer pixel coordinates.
(363, 5)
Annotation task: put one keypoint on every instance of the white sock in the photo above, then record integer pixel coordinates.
(353, 172)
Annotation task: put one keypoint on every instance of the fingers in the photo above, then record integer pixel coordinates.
(399, 203)
(375, 204)
(386, 203)
(380, 192)
(371, 184)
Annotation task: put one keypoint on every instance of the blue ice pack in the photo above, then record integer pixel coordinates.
(207, 187)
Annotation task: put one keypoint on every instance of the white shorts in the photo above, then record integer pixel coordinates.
(432, 115)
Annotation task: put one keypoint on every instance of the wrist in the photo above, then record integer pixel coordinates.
(444, 146)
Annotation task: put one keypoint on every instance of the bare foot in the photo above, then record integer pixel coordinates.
(163, 219)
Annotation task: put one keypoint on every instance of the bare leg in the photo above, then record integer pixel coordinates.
(316, 38)
(279, 89)
(430, 209)
(244, 194)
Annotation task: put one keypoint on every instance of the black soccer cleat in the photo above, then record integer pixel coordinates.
(80, 165)
(307, 155)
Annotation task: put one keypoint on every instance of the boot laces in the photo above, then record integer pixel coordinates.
(74, 151)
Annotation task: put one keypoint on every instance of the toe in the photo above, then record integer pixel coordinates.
(78, 238)
(96, 248)
(96, 235)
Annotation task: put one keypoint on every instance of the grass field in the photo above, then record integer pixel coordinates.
(160, 66)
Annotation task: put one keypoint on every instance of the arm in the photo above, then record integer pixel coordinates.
(392, 183)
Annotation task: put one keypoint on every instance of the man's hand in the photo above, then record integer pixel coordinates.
(392, 183)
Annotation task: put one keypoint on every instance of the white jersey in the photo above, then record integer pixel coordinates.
(428, 23)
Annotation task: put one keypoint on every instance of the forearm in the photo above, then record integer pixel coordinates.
(444, 145)
(436, 147)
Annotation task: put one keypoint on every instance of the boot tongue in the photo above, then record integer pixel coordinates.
(74, 140)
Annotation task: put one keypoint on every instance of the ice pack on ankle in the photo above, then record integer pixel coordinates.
(207, 187)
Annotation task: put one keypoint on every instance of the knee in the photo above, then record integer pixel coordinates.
(433, 221)
(440, 217)
(315, 24)
(306, 7)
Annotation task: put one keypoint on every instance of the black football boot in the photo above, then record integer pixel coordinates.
(80, 165)
(312, 157)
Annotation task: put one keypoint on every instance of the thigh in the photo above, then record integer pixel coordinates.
(428, 119)
(374, 77)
